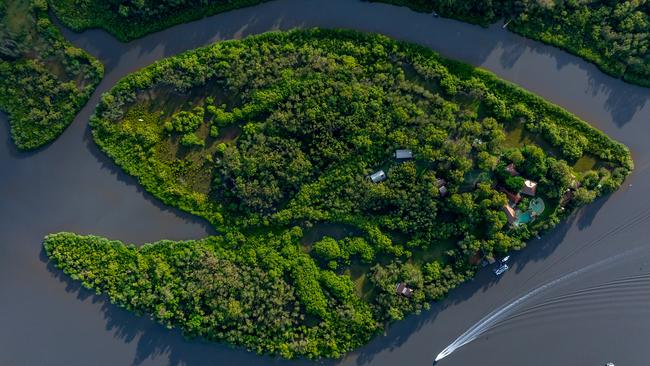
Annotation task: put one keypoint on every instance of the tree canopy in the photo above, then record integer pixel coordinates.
(44, 80)
(615, 35)
(130, 19)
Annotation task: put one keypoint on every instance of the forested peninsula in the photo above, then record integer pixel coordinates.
(128, 20)
(44, 79)
(615, 35)
(353, 179)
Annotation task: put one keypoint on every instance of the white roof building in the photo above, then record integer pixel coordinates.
(377, 177)
(403, 154)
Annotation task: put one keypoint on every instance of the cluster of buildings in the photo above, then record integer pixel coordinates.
(529, 189)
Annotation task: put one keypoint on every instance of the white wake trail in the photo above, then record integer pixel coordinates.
(493, 317)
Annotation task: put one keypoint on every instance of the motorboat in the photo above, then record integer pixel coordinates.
(501, 269)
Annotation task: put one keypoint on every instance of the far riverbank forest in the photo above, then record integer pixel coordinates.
(128, 20)
(615, 35)
(354, 179)
(44, 79)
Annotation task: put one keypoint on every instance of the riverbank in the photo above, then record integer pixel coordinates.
(612, 36)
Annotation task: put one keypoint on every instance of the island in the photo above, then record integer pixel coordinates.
(44, 80)
(353, 180)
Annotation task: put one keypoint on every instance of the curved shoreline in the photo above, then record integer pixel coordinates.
(617, 108)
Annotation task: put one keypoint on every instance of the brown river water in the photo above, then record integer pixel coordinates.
(597, 316)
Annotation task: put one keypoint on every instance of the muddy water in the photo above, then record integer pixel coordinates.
(47, 320)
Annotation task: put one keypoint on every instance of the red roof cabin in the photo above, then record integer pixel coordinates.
(511, 170)
(511, 215)
(530, 188)
(512, 197)
(566, 197)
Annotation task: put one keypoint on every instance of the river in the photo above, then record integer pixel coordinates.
(46, 319)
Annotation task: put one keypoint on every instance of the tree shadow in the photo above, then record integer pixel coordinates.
(588, 213)
(511, 54)
(623, 101)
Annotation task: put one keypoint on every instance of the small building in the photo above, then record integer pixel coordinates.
(442, 188)
(377, 177)
(511, 215)
(512, 197)
(530, 188)
(403, 290)
(566, 197)
(575, 184)
(475, 259)
(511, 170)
(403, 154)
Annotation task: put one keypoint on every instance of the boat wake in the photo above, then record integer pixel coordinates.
(500, 313)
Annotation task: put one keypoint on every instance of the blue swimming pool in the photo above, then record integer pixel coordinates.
(535, 208)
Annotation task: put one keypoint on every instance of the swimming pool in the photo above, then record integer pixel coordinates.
(535, 208)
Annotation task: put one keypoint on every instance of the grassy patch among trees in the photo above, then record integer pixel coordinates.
(44, 80)
(277, 134)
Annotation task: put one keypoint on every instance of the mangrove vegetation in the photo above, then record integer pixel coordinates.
(44, 79)
(427, 166)
(615, 35)
(128, 20)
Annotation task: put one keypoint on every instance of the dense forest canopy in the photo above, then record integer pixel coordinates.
(611, 33)
(44, 80)
(274, 137)
(130, 19)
